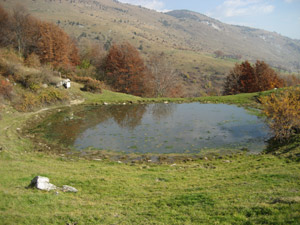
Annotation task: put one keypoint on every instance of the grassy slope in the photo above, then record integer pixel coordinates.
(239, 189)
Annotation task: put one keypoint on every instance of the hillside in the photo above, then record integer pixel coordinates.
(189, 39)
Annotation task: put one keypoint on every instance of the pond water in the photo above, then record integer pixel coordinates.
(157, 128)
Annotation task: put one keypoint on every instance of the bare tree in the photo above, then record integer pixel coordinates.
(165, 78)
(20, 19)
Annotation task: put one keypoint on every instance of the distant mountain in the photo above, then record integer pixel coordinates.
(210, 35)
(189, 39)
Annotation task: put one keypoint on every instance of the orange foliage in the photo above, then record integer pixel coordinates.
(55, 46)
(29, 35)
(245, 78)
(283, 110)
(125, 70)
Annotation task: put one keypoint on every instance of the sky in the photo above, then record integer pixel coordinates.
(281, 16)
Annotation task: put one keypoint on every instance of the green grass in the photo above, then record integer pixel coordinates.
(232, 189)
(248, 190)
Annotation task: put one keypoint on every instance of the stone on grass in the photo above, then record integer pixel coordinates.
(66, 188)
(42, 183)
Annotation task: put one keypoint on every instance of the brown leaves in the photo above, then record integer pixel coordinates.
(125, 70)
(55, 46)
(245, 78)
(29, 35)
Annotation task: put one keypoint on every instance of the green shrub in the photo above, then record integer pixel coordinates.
(30, 101)
(51, 95)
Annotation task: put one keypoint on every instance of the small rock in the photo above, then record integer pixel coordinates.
(44, 85)
(66, 188)
(97, 159)
(119, 162)
(105, 103)
(166, 102)
(42, 183)
(227, 161)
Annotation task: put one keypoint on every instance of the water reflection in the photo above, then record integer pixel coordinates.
(160, 111)
(157, 128)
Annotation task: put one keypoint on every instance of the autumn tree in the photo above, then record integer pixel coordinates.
(125, 70)
(19, 30)
(4, 27)
(245, 78)
(55, 46)
(29, 35)
(164, 80)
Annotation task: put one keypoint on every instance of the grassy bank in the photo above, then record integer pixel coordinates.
(233, 189)
(237, 190)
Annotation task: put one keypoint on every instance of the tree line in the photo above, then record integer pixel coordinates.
(122, 67)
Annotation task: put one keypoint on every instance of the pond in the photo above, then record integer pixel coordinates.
(157, 128)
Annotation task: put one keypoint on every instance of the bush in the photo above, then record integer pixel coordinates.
(6, 89)
(30, 101)
(51, 95)
(92, 85)
(283, 111)
(33, 60)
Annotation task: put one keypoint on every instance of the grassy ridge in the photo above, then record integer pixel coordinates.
(234, 189)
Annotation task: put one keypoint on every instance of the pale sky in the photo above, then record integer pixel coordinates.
(281, 16)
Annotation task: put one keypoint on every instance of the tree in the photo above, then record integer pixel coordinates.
(29, 35)
(125, 70)
(164, 78)
(56, 47)
(245, 78)
(4, 27)
(219, 54)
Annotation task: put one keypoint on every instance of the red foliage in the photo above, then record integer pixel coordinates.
(245, 78)
(125, 70)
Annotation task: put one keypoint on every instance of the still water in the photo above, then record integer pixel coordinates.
(158, 128)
